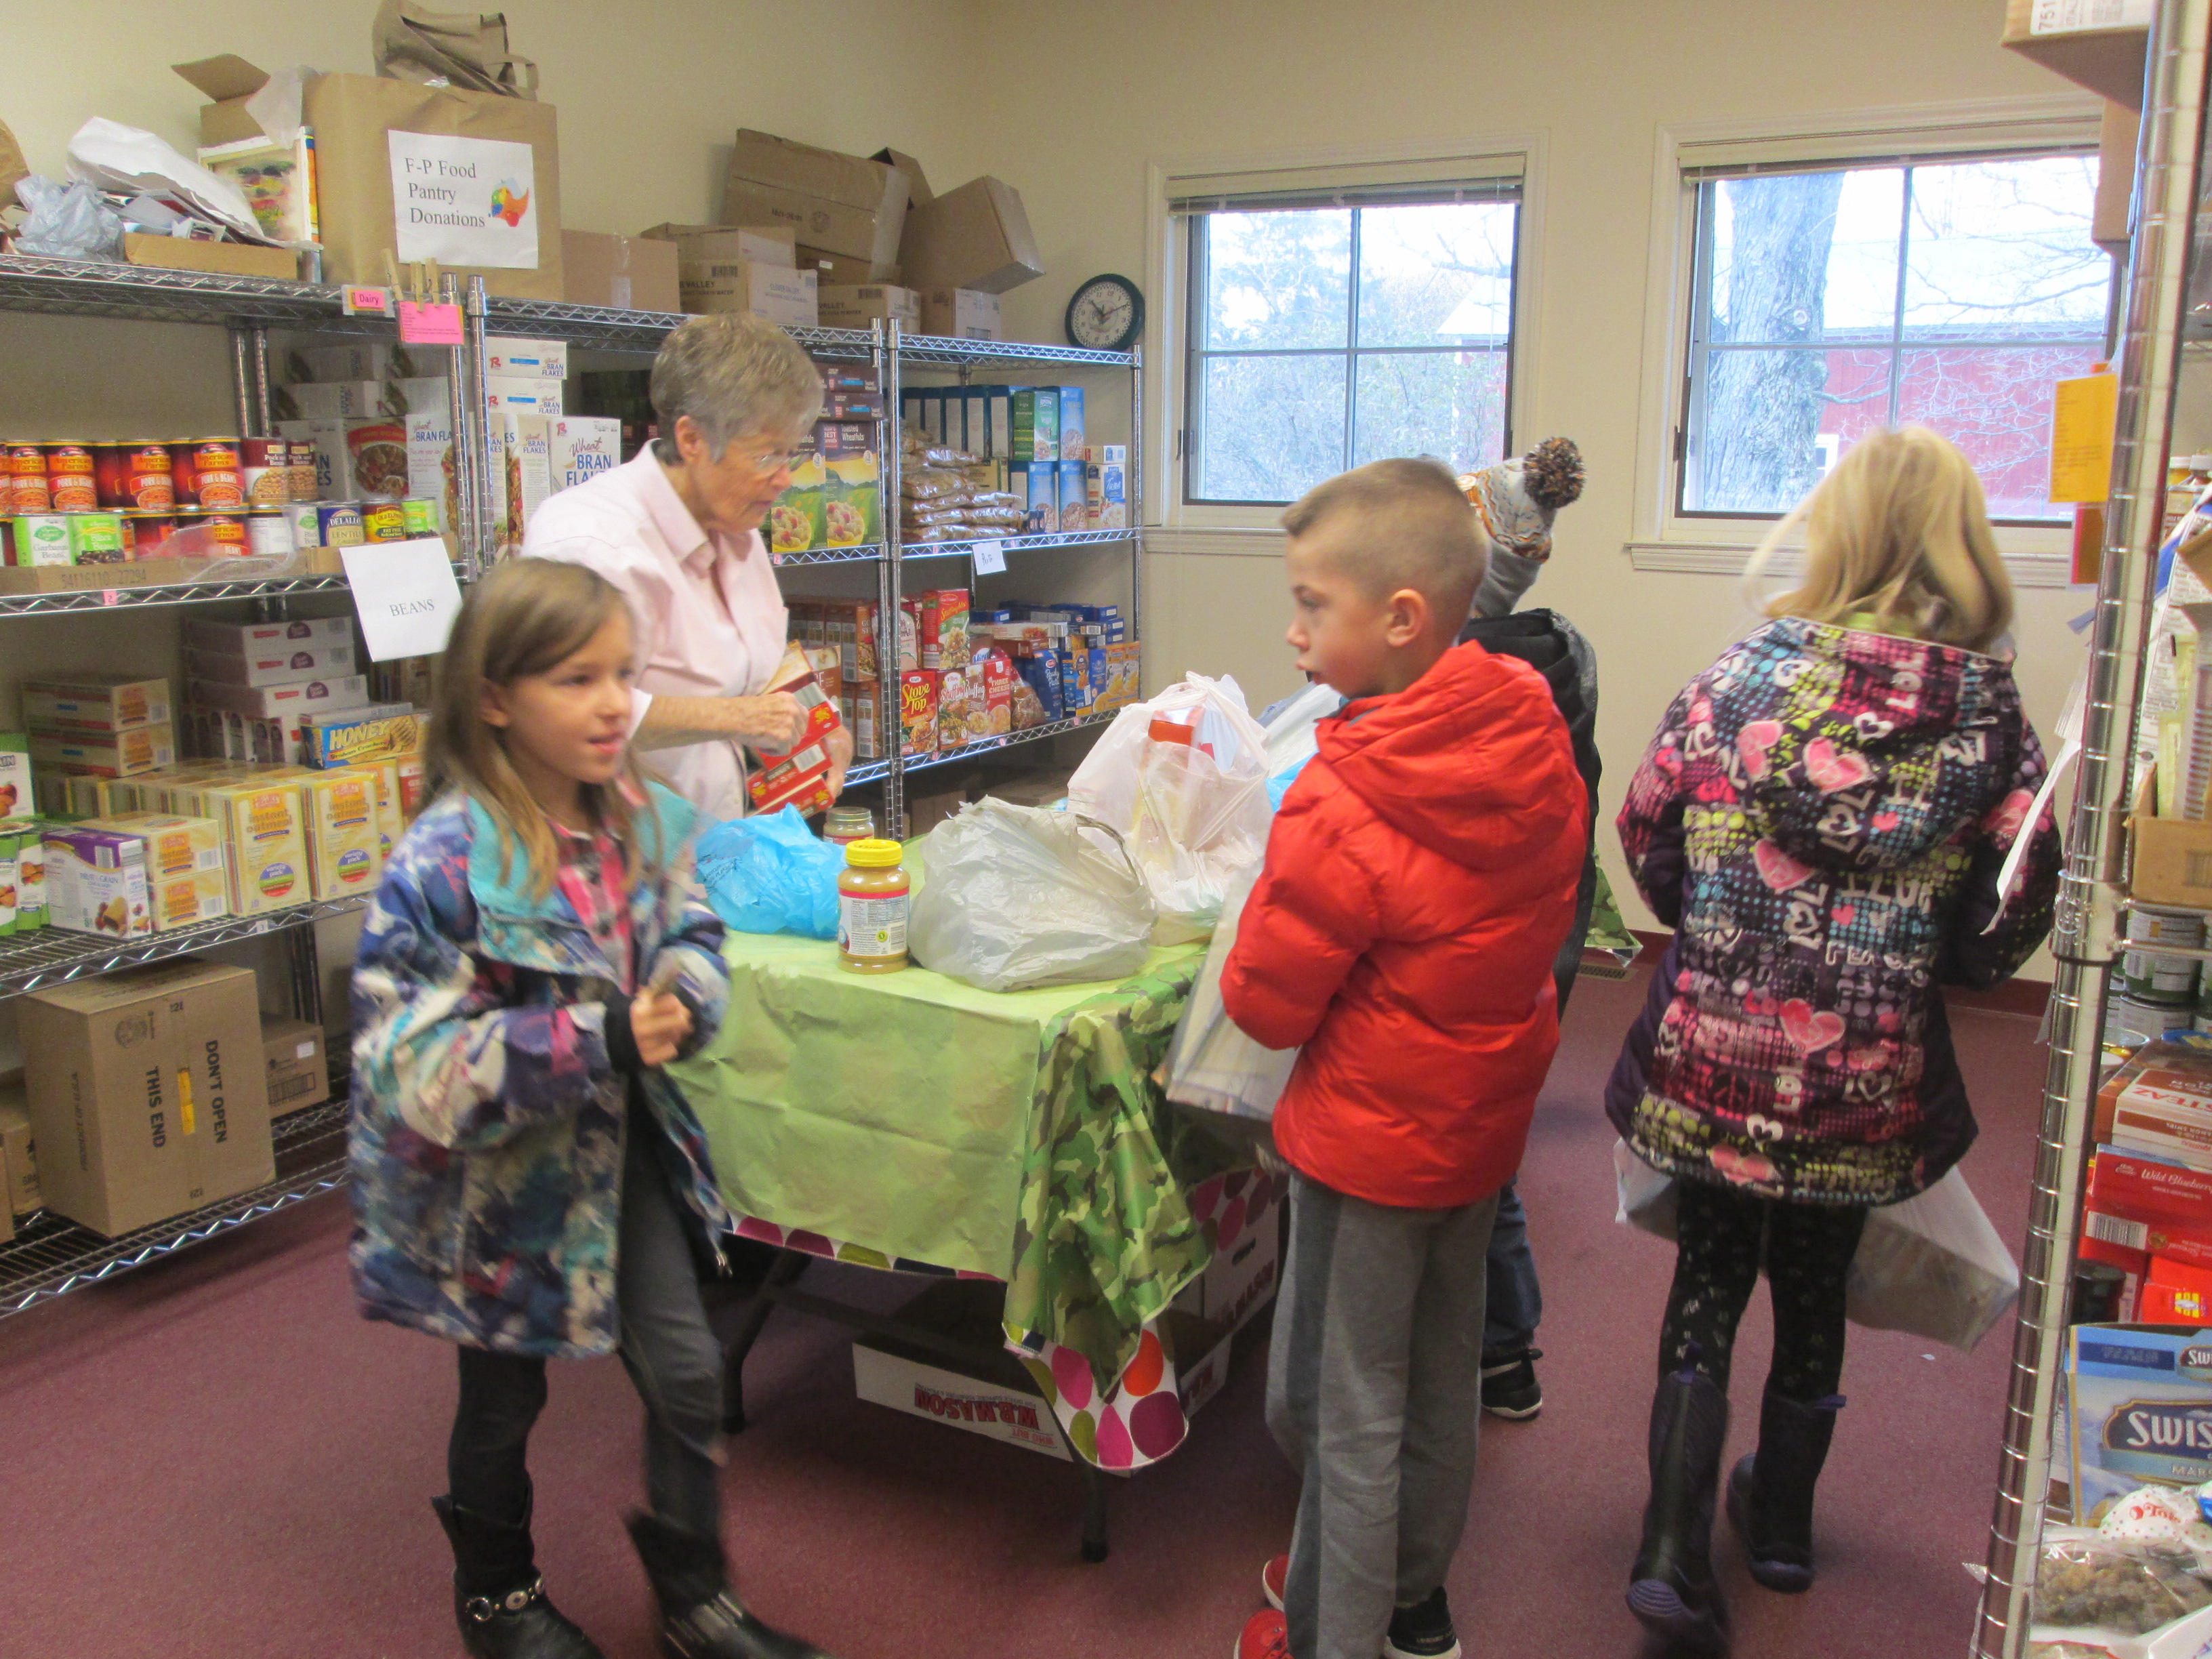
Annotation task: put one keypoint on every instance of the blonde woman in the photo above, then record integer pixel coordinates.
(1821, 819)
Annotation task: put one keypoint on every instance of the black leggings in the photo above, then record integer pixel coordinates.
(1722, 1236)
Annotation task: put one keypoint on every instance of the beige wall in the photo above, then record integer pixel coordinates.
(1599, 80)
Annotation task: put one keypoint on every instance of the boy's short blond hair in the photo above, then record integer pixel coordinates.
(1415, 531)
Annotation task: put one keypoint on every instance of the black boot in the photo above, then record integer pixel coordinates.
(1769, 1500)
(499, 1599)
(1671, 1589)
(700, 1618)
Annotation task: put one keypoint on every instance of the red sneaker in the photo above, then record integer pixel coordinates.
(1271, 1579)
(1266, 1637)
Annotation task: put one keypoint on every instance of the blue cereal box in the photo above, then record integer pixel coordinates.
(1073, 511)
(1073, 437)
(2139, 1404)
(1037, 485)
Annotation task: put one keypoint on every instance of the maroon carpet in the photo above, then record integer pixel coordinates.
(214, 1459)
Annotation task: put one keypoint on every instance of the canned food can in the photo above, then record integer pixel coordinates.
(133, 475)
(41, 538)
(149, 532)
(226, 531)
(96, 538)
(2149, 977)
(305, 486)
(266, 468)
(339, 524)
(306, 524)
(2153, 924)
(205, 472)
(268, 530)
(25, 459)
(421, 513)
(25, 476)
(383, 521)
(69, 478)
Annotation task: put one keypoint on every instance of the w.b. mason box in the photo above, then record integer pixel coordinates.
(147, 1094)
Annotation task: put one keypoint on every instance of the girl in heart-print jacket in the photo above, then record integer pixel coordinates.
(1822, 818)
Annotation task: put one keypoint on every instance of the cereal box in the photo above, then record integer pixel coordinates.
(345, 846)
(860, 708)
(918, 711)
(800, 777)
(851, 508)
(414, 786)
(942, 618)
(185, 878)
(347, 737)
(1036, 484)
(1073, 438)
(18, 795)
(1036, 424)
(1074, 509)
(797, 522)
(96, 882)
(993, 673)
(107, 755)
(1106, 487)
(97, 704)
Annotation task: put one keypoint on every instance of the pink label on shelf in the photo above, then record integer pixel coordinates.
(423, 324)
(366, 302)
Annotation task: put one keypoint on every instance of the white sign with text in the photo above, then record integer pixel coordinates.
(464, 201)
(405, 595)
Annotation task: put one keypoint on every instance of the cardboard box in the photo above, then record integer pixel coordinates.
(522, 463)
(962, 313)
(373, 202)
(2139, 1404)
(785, 296)
(107, 755)
(97, 883)
(224, 258)
(96, 702)
(146, 1092)
(186, 882)
(526, 397)
(265, 841)
(917, 186)
(715, 245)
(231, 639)
(628, 273)
(362, 399)
(845, 204)
(2097, 43)
(514, 357)
(856, 307)
(2170, 861)
(363, 360)
(2109, 222)
(974, 237)
(580, 447)
(281, 666)
(345, 846)
(19, 1146)
(353, 737)
(19, 795)
(1241, 1279)
(995, 1396)
(278, 178)
(800, 776)
(296, 1071)
(844, 270)
(918, 711)
(261, 703)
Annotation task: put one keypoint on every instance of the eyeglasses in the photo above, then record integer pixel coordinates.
(772, 460)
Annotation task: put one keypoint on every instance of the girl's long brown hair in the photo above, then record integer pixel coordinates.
(526, 617)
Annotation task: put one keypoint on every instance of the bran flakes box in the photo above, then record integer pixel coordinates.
(345, 843)
(918, 711)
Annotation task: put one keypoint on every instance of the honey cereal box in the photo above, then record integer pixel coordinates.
(918, 711)
(345, 852)
(185, 881)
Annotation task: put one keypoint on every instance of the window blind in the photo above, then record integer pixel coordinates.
(1828, 152)
(1375, 184)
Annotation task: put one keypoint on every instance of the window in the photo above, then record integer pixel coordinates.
(1331, 328)
(1829, 302)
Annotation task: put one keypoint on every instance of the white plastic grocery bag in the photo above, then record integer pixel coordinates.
(1932, 1265)
(1212, 1064)
(1016, 897)
(1194, 815)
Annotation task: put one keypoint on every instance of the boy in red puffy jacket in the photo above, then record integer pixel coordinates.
(1419, 878)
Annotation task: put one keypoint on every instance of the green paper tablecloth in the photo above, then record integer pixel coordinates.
(1016, 1134)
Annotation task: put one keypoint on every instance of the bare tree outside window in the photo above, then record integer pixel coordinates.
(1831, 303)
(1321, 339)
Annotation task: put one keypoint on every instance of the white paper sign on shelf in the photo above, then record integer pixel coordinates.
(464, 201)
(405, 595)
(990, 557)
(2068, 16)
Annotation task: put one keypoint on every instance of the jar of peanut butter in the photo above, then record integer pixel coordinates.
(872, 907)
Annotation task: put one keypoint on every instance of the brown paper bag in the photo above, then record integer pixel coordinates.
(352, 116)
(12, 166)
(468, 49)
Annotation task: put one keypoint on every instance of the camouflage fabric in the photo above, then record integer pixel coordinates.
(1607, 931)
(1106, 1237)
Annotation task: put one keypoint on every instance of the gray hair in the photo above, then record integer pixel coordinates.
(732, 371)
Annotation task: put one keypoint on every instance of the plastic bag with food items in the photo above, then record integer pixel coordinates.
(2138, 1585)
(1182, 778)
(1015, 896)
(771, 875)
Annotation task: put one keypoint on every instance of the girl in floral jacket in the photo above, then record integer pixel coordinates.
(528, 1183)
(1821, 818)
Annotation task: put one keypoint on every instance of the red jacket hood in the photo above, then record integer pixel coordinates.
(1447, 761)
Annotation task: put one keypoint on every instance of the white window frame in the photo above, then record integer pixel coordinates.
(1661, 538)
(1175, 525)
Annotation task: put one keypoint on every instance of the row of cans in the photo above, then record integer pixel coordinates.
(111, 537)
(145, 475)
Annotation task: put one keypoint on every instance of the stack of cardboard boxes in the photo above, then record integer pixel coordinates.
(2148, 1213)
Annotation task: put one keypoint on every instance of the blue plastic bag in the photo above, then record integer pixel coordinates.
(771, 875)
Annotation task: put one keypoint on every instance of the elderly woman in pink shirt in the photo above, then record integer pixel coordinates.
(677, 530)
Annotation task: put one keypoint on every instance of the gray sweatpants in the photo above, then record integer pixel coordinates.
(1375, 1395)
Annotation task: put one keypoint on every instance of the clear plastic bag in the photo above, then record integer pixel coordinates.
(67, 222)
(1293, 728)
(1213, 1065)
(1195, 815)
(771, 875)
(2088, 1581)
(1016, 897)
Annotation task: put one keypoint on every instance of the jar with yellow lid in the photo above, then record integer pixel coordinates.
(873, 893)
